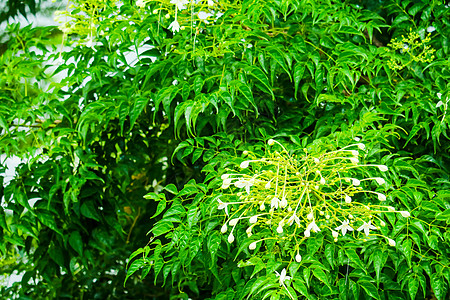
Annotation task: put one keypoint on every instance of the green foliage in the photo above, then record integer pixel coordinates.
(121, 147)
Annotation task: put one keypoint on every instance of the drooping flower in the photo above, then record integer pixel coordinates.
(280, 229)
(283, 276)
(344, 227)
(140, 3)
(231, 238)
(242, 183)
(405, 214)
(275, 202)
(298, 258)
(253, 219)
(224, 228)
(180, 4)
(244, 164)
(283, 202)
(223, 205)
(356, 182)
(366, 227)
(348, 199)
(361, 146)
(270, 142)
(382, 168)
(233, 222)
(174, 26)
(381, 197)
(267, 186)
(380, 180)
(293, 218)
(391, 242)
(252, 246)
(312, 226)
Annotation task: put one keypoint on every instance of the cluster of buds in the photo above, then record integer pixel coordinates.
(297, 196)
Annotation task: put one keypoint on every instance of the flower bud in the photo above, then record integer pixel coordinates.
(361, 146)
(233, 222)
(380, 180)
(405, 214)
(231, 238)
(267, 186)
(391, 242)
(298, 258)
(348, 199)
(280, 229)
(253, 219)
(262, 207)
(244, 164)
(270, 142)
(252, 246)
(224, 228)
(224, 176)
(381, 197)
(356, 182)
(335, 234)
(382, 168)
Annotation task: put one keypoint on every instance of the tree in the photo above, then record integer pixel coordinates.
(260, 136)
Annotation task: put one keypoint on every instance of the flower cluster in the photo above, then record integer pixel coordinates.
(294, 197)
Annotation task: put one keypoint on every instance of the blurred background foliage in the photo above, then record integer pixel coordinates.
(96, 123)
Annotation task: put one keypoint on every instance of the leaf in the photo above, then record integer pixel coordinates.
(413, 286)
(137, 109)
(135, 265)
(320, 274)
(88, 210)
(76, 242)
(197, 154)
(161, 228)
(259, 75)
(245, 90)
(299, 70)
(438, 286)
(370, 289)
(171, 188)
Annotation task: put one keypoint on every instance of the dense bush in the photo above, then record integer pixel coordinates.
(260, 149)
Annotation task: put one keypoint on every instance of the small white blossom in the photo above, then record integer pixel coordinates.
(224, 176)
(391, 242)
(348, 199)
(354, 160)
(267, 186)
(280, 229)
(345, 227)
(174, 26)
(316, 160)
(233, 222)
(252, 246)
(283, 276)
(354, 152)
(262, 207)
(391, 208)
(249, 231)
(298, 258)
(283, 202)
(175, 82)
(382, 168)
(140, 3)
(380, 180)
(439, 95)
(244, 164)
(210, 3)
(430, 29)
(366, 227)
(322, 181)
(223, 205)
(242, 183)
(361, 146)
(439, 104)
(382, 223)
(231, 238)
(381, 197)
(310, 216)
(253, 219)
(405, 214)
(224, 228)
(335, 234)
(180, 4)
(312, 226)
(293, 218)
(270, 142)
(356, 182)
(357, 139)
(275, 203)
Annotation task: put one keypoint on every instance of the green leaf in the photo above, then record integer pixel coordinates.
(413, 286)
(76, 242)
(171, 188)
(137, 109)
(89, 211)
(246, 91)
(161, 228)
(135, 265)
(299, 70)
(259, 75)
(370, 289)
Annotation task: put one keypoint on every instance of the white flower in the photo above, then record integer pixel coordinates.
(312, 226)
(391, 242)
(223, 205)
(253, 219)
(283, 276)
(357, 139)
(361, 146)
(439, 95)
(354, 160)
(280, 229)
(90, 42)
(348, 199)
(439, 104)
(391, 208)
(270, 142)
(298, 258)
(224, 228)
(382, 223)
(210, 3)
(262, 207)
(140, 3)
(310, 216)
(175, 26)
(405, 214)
(354, 152)
(345, 227)
(252, 246)
(293, 218)
(249, 231)
(381, 197)
(224, 176)
(180, 3)
(382, 168)
(366, 227)
(204, 16)
(242, 183)
(380, 180)
(231, 238)
(316, 160)
(244, 164)
(431, 29)
(267, 186)
(356, 182)
(283, 203)
(175, 82)
(275, 202)
(322, 181)
(233, 222)
(335, 234)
